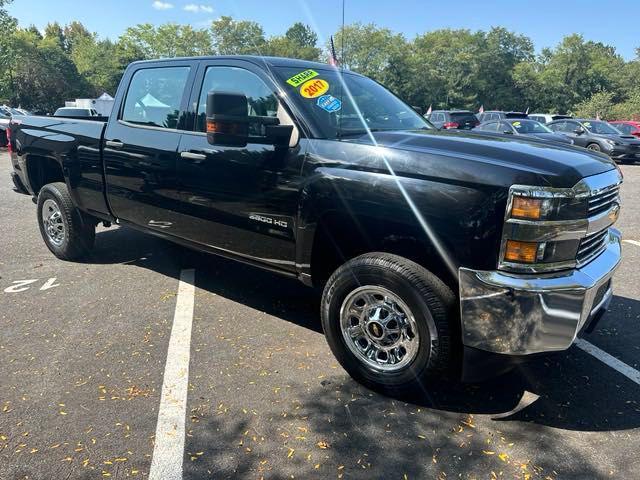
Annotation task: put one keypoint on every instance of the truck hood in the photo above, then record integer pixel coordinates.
(530, 160)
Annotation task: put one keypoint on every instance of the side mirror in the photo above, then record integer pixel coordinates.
(579, 131)
(227, 119)
(507, 132)
(228, 123)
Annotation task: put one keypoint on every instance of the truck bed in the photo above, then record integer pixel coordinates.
(75, 144)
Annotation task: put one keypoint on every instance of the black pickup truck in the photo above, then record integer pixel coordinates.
(434, 250)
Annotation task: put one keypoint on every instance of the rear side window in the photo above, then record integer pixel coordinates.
(557, 127)
(490, 127)
(155, 95)
(261, 101)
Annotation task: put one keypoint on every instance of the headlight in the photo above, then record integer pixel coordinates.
(612, 142)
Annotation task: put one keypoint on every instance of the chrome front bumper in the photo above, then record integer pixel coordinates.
(525, 314)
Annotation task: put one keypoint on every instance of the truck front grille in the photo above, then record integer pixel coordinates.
(591, 246)
(601, 202)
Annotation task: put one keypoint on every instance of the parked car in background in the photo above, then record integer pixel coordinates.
(453, 119)
(499, 115)
(75, 112)
(547, 117)
(627, 127)
(524, 126)
(599, 136)
(5, 119)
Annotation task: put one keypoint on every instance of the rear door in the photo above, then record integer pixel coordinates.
(241, 200)
(141, 143)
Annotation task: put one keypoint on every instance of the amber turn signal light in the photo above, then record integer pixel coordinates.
(525, 207)
(522, 252)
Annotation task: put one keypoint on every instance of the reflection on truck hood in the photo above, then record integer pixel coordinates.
(521, 153)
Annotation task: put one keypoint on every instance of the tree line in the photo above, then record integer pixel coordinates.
(446, 68)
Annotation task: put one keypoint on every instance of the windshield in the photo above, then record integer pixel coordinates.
(602, 128)
(322, 97)
(530, 126)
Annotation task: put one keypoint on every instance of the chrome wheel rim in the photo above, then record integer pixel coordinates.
(53, 223)
(595, 148)
(379, 328)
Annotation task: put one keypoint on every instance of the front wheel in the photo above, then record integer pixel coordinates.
(388, 321)
(594, 147)
(67, 232)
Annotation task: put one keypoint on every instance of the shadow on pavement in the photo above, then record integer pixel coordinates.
(576, 391)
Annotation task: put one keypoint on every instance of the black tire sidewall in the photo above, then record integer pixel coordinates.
(79, 232)
(335, 293)
(51, 193)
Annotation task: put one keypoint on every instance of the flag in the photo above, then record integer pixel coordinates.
(429, 110)
(527, 112)
(481, 109)
(598, 116)
(333, 60)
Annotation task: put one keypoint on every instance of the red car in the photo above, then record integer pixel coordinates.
(627, 127)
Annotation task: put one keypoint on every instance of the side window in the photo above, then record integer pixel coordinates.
(439, 117)
(557, 127)
(154, 96)
(624, 128)
(504, 127)
(261, 100)
(491, 127)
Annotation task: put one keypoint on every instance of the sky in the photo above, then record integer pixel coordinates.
(544, 21)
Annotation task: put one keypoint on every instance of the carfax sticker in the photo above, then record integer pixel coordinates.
(299, 78)
(329, 103)
(314, 88)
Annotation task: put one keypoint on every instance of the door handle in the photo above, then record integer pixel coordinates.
(114, 144)
(193, 156)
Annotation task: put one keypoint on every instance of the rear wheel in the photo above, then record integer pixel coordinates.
(66, 231)
(387, 321)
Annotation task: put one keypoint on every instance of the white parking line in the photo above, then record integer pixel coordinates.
(633, 242)
(629, 372)
(168, 450)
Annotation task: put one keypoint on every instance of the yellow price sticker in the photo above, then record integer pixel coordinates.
(314, 88)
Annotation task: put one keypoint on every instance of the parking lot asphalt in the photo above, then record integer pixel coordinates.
(83, 348)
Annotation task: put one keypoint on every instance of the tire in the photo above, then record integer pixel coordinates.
(73, 232)
(594, 147)
(430, 303)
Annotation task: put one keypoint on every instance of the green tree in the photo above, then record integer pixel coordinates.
(500, 51)
(232, 37)
(572, 72)
(99, 63)
(43, 74)
(300, 41)
(74, 33)
(166, 41)
(446, 68)
(600, 105)
(378, 53)
(53, 32)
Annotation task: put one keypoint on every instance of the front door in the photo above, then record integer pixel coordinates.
(241, 200)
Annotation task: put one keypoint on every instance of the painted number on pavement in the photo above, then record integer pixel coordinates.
(24, 285)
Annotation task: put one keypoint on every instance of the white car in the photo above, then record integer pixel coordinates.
(546, 117)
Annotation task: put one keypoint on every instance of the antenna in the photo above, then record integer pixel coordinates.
(342, 38)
